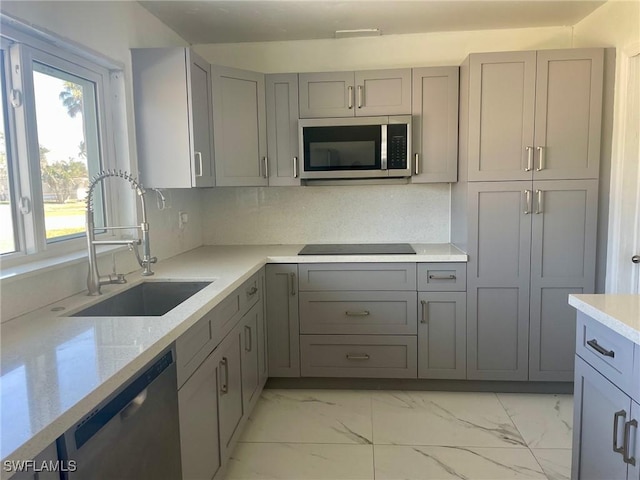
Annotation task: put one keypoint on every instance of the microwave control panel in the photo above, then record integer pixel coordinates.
(396, 146)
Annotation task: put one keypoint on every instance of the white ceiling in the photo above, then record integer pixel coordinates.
(213, 21)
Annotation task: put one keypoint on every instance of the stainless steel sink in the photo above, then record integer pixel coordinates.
(147, 299)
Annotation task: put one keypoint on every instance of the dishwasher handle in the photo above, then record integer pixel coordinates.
(134, 405)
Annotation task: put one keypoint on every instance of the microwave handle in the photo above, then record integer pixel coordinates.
(383, 147)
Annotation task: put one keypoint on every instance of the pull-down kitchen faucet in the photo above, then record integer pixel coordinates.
(94, 279)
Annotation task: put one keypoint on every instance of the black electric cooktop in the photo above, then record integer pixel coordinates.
(358, 249)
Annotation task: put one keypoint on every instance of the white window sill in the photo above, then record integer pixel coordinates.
(26, 270)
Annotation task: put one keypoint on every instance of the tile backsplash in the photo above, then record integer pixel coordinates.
(326, 214)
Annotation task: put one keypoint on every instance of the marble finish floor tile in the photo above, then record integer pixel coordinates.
(544, 420)
(311, 416)
(443, 419)
(300, 461)
(394, 462)
(555, 462)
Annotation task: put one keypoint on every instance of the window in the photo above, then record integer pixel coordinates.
(54, 139)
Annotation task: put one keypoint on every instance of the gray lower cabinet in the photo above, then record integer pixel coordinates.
(601, 411)
(357, 276)
(435, 124)
(442, 335)
(250, 355)
(281, 92)
(230, 405)
(530, 245)
(198, 412)
(633, 429)
(239, 126)
(373, 356)
(282, 320)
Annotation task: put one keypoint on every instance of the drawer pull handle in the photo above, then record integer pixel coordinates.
(627, 442)
(248, 339)
(616, 416)
(292, 279)
(252, 291)
(600, 349)
(425, 311)
(363, 313)
(442, 277)
(361, 356)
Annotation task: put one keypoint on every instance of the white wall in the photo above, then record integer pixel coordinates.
(109, 29)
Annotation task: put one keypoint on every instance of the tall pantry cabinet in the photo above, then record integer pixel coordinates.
(525, 207)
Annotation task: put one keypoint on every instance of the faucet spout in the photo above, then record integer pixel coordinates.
(94, 279)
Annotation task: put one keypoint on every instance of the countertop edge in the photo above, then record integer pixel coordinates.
(587, 305)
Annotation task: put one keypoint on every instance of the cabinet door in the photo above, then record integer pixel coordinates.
(230, 408)
(198, 412)
(442, 335)
(282, 128)
(563, 255)
(600, 411)
(283, 329)
(250, 366)
(239, 120)
(383, 92)
(568, 113)
(498, 281)
(172, 105)
(435, 124)
(633, 441)
(326, 94)
(202, 126)
(501, 115)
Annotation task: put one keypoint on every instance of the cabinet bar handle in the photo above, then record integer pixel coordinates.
(539, 202)
(442, 277)
(360, 87)
(527, 201)
(529, 159)
(626, 454)
(360, 356)
(224, 386)
(265, 160)
(363, 313)
(295, 167)
(593, 343)
(248, 340)
(198, 156)
(425, 313)
(616, 416)
(292, 279)
(350, 95)
(540, 159)
(417, 164)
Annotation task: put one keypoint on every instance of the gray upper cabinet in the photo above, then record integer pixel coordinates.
(435, 124)
(348, 94)
(282, 129)
(283, 329)
(239, 121)
(562, 263)
(174, 130)
(534, 114)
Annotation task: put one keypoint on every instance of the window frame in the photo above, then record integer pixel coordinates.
(22, 50)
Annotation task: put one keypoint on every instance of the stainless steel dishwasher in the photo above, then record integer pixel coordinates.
(134, 434)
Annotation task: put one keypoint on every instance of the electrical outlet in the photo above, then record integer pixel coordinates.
(183, 219)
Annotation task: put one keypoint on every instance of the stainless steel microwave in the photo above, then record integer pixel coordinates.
(359, 147)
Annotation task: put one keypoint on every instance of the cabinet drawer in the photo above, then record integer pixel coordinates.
(442, 277)
(225, 315)
(357, 276)
(192, 347)
(607, 351)
(251, 292)
(358, 356)
(358, 313)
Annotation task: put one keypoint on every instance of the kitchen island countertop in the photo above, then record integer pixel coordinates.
(619, 312)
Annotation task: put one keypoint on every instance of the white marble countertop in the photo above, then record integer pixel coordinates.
(55, 368)
(621, 313)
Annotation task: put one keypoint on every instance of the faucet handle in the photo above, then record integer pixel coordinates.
(153, 260)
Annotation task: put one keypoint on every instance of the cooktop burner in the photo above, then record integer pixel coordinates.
(358, 249)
